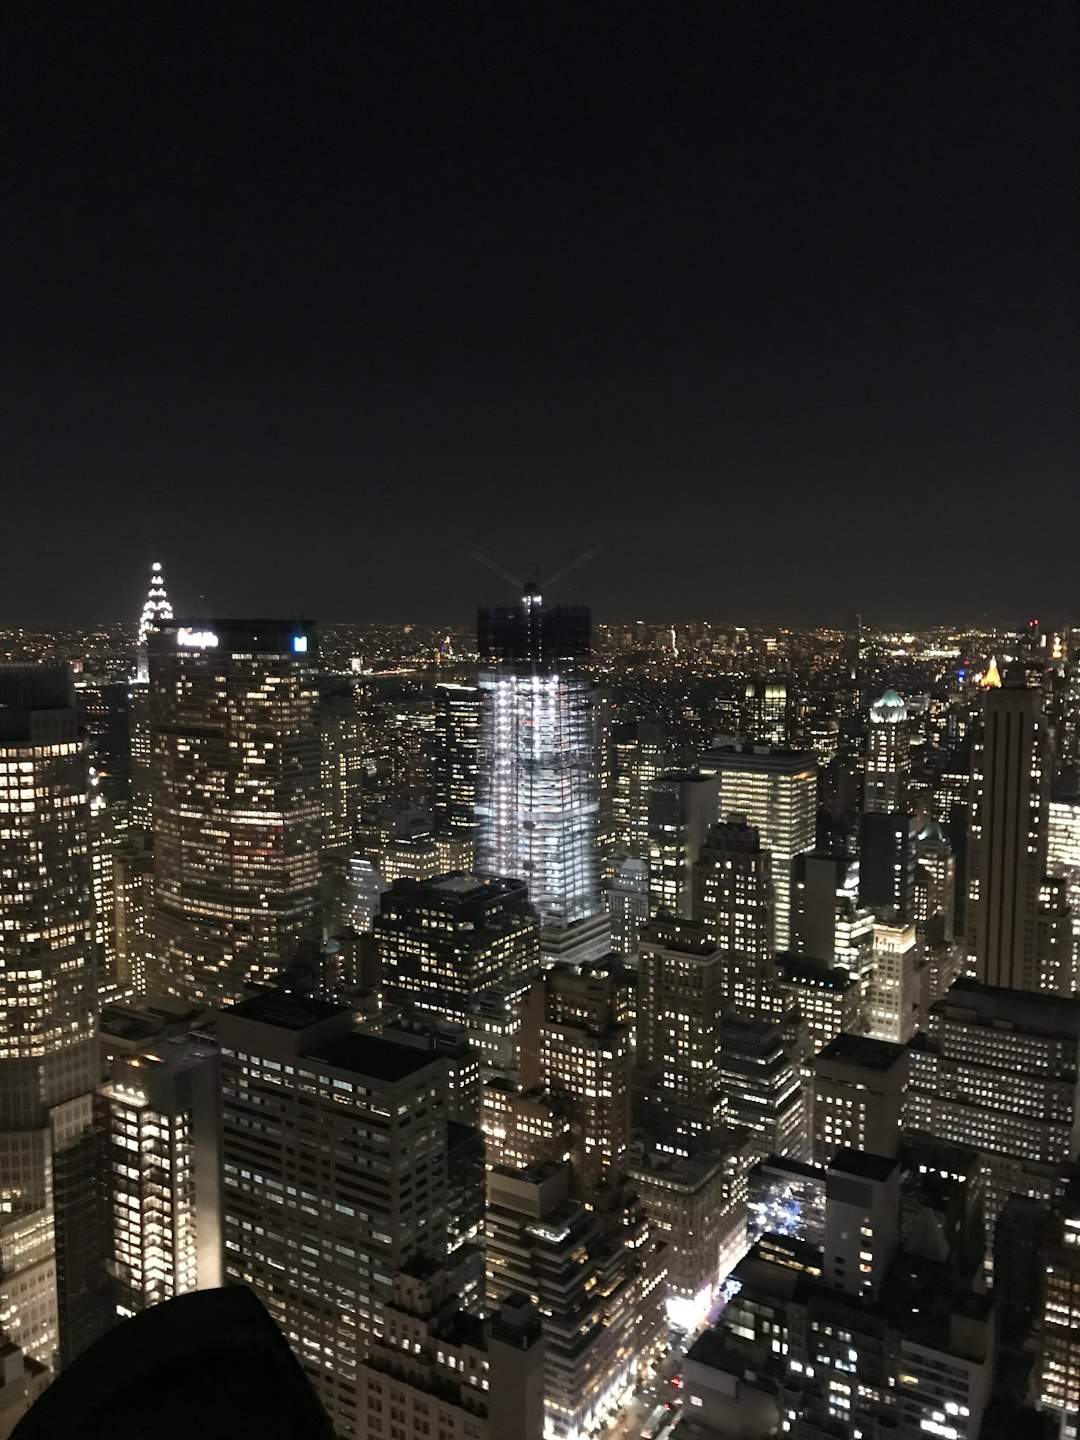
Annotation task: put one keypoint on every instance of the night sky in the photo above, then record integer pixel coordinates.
(777, 302)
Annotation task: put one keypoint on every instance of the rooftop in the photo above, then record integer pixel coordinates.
(285, 1009)
(864, 1052)
(862, 1163)
(374, 1056)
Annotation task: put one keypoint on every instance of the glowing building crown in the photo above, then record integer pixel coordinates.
(157, 605)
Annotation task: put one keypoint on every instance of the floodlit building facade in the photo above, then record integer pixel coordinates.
(237, 810)
(538, 793)
(48, 1002)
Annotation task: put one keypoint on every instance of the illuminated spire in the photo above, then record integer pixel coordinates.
(157, 608)
(992, 679)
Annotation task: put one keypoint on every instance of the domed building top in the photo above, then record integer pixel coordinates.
(932, 834)
(889, 710)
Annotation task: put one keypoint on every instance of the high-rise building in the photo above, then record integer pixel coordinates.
(767, 712)
(455, 758)
(680, 1009)
(774, 790)
(887, 756)
(999, 1070)
(682, 807)
(627, 900)
(341, 768)
(444, 942)
(435, 1369)
(334, 1165)
(876, 1329)
(597, 1280)
(537, 801)
(48, 1003)
(896, 991)
(640, 752)
(935, 885)
(1007, 845)
(158, 1119)
(156, 611)
(762, 1086)
(887, 863)
(237, 810)
(733, 898)
(859, 1089)
(576, 1045)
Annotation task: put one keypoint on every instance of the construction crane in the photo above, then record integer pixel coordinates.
(535, 588)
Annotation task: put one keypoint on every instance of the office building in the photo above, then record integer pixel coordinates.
(689, 1200)
(1007, 844)
(577, 1046)
(334, 1164)
(1063, 856)
(935, 886)
(762, 1085)
(775, 790)
(597, 1280)
(887, 756)
(158, 1119)
(887, 864)
(438, 1370)
(680, 1009)
(733, 898)
(828, 1001)
(48, 1000)
(537, 799)
(998, 1070)
(1055, 1301)
(627, 900)
(455, 758)
(341, 767)
(640, 752)
(859, 1087)
(766, 715)
(896, 998)
(444, 942)
(682, 807)
(236, 801)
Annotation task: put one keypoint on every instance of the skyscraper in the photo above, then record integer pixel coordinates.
(887, 756)
(537, 804)
(444, 942)
(48, 997)
(1007, 846)
(733, 899)
(156, 611)
(640, 752)
(682, 806)
(236, 802)
(455, 758)
(334, 1176)
(776, 791)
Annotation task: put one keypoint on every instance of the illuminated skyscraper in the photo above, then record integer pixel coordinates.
(640, 752)
(446, 941)
(776, 791)
(48, 997)
(156, 611)
(236, 802)
(887, 756)
(334, 1175)
(537, 805)
(455, 758)
(733, 899)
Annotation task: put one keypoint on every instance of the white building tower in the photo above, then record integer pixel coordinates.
(154, 611)
(537, 802)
